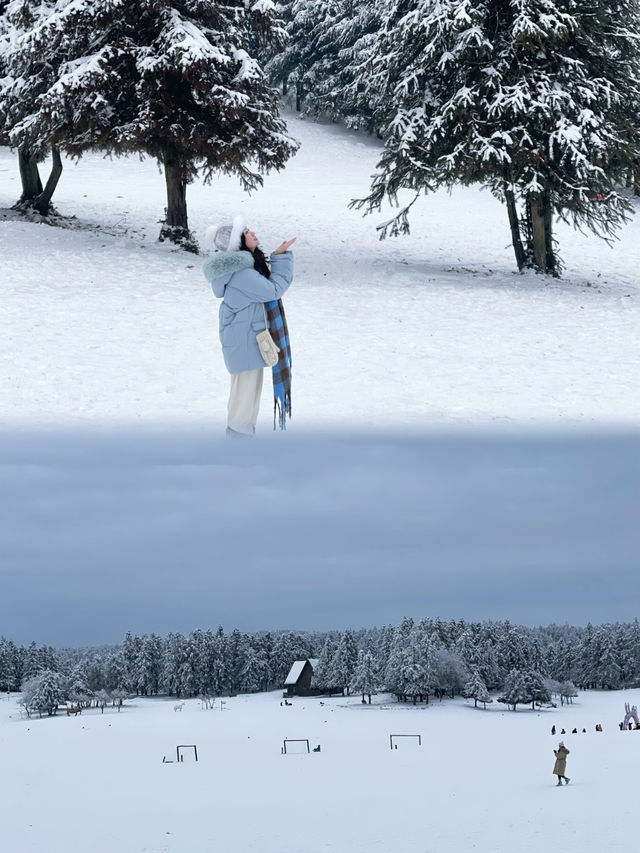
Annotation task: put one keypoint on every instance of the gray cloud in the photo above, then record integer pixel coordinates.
(170, 529)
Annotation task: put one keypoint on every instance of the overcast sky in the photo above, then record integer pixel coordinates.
(161, 530)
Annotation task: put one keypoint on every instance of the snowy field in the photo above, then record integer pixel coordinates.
(105, 324)
(481, 780)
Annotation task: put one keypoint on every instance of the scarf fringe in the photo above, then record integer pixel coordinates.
(281, 410)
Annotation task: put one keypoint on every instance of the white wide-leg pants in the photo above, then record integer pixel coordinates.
(244, 402)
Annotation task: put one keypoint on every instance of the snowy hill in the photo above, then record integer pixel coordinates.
(102, 323)
(481, 780)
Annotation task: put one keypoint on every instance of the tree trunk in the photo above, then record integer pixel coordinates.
(542, 233)
(298, 96)
(43, 202)
(514, 225)
(636, 176)
(29, 175)
(176, 225)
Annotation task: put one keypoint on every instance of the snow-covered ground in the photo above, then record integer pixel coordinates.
(104, 324)
(481, 780)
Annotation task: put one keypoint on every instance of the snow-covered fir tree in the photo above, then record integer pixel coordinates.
(9, 668)
(449, 672)
(476, 689)
(254, 673)
(534, 99)
(515, 690)
(25, 75)
(608, 670)
(322, 671)
(148, 665)
(171, 80)
(115, 672)
(77, 689)
(306, 23)
(535, 687)
(43, 693)
(344, 661)
(174, 654)
(324, 59)
(365, 677)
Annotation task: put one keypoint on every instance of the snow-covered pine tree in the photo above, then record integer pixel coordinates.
(531, 98)
(131, 648)
(587, 658)
(364, 679)
(148, 666)
(215, 663)
(43, 693)
(394, 678)
(476, 689)
(322, 672)
(608, 671)
(31, 664)
(535, 687)
(77, 689)
(630, 652)
(24, 76)
(514, 692)
(115, 675)
(306, 22)
(174, 657)
(9, 676)
(327, 51)
(253, 675)
(171, 80)
(344, 661)
(449, 672)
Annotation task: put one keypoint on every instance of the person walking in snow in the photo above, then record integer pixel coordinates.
(560, 766)
(251, 291)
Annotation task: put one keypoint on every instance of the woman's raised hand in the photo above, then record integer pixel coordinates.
(284, 247)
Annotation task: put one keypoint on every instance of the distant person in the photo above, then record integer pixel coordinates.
(574, 731)
(553, 730)
(250, 289)
(560, 766)
(562, 732)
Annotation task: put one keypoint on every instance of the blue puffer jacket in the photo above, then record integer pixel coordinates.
(243, 292)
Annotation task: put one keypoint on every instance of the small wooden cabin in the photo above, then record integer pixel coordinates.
(298, 682)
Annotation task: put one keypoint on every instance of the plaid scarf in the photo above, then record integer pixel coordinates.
(281, 372)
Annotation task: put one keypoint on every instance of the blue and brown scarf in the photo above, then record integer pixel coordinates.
(281, 372)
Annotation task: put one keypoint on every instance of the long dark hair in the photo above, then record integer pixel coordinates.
(259, 259)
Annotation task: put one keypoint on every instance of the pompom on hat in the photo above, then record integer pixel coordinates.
(227, 238)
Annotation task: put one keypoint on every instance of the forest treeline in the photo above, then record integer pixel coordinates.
(414, 660)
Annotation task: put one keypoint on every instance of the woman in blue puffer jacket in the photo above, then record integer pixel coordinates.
(250, 293)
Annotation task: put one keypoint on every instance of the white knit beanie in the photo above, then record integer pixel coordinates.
(227, 237)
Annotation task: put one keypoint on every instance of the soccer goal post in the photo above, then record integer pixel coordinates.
(395, 746)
